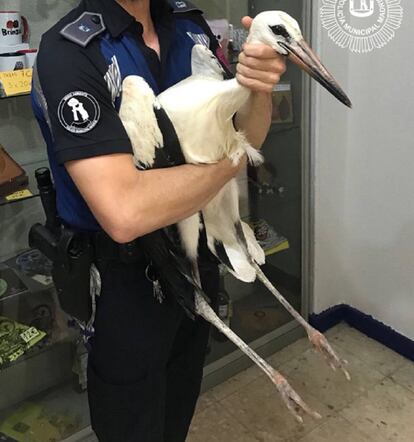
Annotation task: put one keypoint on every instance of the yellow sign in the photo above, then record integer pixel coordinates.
(20, 194)
(15, 82)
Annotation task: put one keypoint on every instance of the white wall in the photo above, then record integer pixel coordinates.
(364, 177)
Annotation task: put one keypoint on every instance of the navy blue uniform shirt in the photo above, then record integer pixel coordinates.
(77, 82)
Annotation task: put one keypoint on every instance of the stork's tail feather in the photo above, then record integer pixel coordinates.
(253, 247)
(239, 252)
(254, 156)
(233, 256)
(229, 239)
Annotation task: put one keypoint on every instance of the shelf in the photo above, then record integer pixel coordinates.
(54, 326)
(52, 415)
(23, 94)
(43, 346)
(32, 188)
(27, 299)
(33, 309)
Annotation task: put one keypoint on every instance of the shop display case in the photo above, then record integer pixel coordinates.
(42, 391)
(42, 366)
(275, 202)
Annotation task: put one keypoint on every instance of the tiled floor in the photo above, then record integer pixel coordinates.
(377, 405)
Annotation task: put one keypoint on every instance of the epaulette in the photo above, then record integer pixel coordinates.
(183, 6)
(84, 28)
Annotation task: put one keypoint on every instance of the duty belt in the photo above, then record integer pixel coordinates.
(105, 248)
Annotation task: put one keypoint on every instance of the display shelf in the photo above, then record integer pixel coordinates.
(28, 299)
(32, 187)
(39, 349)
(54, 328)
(50, 416)
(19, 285)
(38, 374)
(26, 267)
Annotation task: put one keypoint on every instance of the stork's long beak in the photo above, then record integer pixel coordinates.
(302, 54)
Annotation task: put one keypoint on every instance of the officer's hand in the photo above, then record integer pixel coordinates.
(230, 169)
(260, 67)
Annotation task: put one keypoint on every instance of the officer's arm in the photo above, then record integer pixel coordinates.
(259, 69)
(129, 203)
(254, 118)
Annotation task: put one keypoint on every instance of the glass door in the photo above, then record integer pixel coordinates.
(274, 202)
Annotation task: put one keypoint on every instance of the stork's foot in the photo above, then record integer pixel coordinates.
(292, 400)
(321, 344)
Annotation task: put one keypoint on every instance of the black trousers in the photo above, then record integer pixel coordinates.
(146, 362)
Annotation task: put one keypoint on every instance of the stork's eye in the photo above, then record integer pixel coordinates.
(280, 30)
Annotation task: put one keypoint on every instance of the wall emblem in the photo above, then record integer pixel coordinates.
(361, 25)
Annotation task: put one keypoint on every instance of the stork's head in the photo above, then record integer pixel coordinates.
(282, 32)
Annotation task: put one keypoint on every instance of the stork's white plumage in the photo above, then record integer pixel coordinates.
(201, 109)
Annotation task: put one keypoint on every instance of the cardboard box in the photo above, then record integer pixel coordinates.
(12, 176)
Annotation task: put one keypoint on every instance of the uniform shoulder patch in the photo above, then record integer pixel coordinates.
(79, 112)
(183, 6)
(84, 28)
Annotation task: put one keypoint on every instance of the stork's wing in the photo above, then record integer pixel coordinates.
(205, 64)
(137, 113)
(152, 134)
(149, 130)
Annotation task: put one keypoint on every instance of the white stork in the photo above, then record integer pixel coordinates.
(201, 110)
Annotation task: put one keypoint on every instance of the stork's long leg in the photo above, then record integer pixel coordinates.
(292, 400)
(316, 338)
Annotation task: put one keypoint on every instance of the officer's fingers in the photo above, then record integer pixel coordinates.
(247, 22)
(253, 84)
(259, 50)
(263, 76)
(276, 65)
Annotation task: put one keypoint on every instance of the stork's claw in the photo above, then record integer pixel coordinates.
(321, 344)
(292, 400)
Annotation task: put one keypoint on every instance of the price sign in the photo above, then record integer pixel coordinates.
(20, 194)
(15, 82)
(29, 334)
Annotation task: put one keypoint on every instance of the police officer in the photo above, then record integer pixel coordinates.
(145, 366)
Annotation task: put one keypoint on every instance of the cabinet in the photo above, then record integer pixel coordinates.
(40, 390)
(41, 398)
